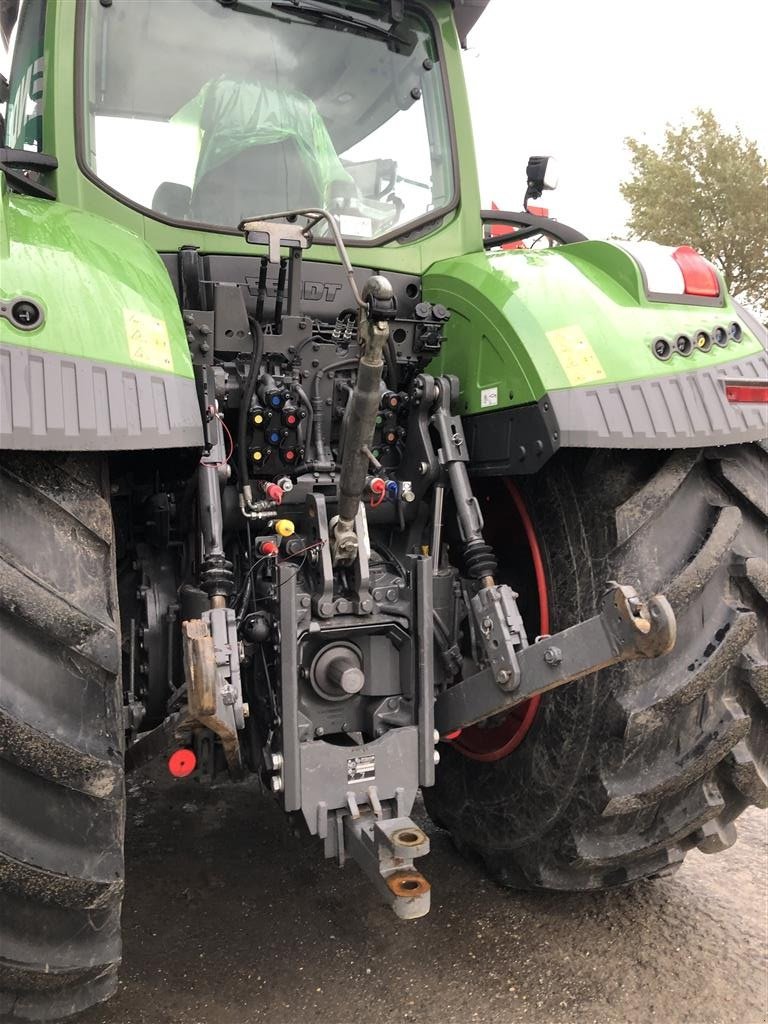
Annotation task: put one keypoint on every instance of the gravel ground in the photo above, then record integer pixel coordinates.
(231, 919)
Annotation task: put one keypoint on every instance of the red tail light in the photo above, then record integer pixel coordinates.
(699, 275)
(748, 391)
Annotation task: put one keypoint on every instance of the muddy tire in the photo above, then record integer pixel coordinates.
(625, 771)
(61, 745)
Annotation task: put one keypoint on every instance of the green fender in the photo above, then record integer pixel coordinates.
(107, 367)
(568, 334)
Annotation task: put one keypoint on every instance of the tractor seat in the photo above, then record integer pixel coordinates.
(261, 179)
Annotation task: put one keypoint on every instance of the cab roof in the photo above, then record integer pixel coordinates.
(466, 13)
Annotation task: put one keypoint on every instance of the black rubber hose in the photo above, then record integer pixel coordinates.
(322, 454)
(245, 403)
(306, 432)
(322, 462)
(390, 357)
(318, 440)
(262, 290)
(280, 296)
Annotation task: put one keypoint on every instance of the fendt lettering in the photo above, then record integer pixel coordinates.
(315, 291)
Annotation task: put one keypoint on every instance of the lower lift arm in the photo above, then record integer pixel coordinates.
(512, 671)
(624, 629)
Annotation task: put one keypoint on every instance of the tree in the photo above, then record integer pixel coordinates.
(707, 189)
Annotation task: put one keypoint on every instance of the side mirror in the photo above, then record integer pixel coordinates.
(541, 175)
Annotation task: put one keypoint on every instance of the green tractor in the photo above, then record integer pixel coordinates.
(308, 476)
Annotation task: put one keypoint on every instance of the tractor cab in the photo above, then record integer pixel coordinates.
(206, 113)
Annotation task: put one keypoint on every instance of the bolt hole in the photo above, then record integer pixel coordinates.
(409, 885)
(399, 336)
(412, 290)
(408, 837)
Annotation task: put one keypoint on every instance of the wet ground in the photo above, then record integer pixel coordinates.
(231, 919)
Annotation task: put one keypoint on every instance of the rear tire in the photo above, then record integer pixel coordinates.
(627, 769)
(61, 738)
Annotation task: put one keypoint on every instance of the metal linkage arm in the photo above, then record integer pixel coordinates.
(212, 673)
(385, 850)
(361, 423)
(624, 629)
(499, 625)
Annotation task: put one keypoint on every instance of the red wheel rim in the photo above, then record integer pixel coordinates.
(492, 743)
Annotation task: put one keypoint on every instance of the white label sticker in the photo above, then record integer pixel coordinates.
(361, 769)
(148, 340)
(489, 397)
(577, 357)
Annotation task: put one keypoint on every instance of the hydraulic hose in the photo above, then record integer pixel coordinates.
(306, 433)
(322, 457)
(245, 404)
(390, 357)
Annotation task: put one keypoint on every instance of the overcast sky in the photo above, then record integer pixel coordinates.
(575, 77)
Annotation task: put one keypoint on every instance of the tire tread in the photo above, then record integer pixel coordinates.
(672, 751)
(61, 775)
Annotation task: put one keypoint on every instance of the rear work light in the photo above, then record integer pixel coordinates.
(741, 390)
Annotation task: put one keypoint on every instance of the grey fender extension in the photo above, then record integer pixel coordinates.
(686, 410)
(51, 402)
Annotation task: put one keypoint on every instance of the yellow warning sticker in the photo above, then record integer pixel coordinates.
(148, 341)
(576, 355)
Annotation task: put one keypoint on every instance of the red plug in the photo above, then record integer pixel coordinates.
(378, 489)
(274, 492)
(182, 762)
